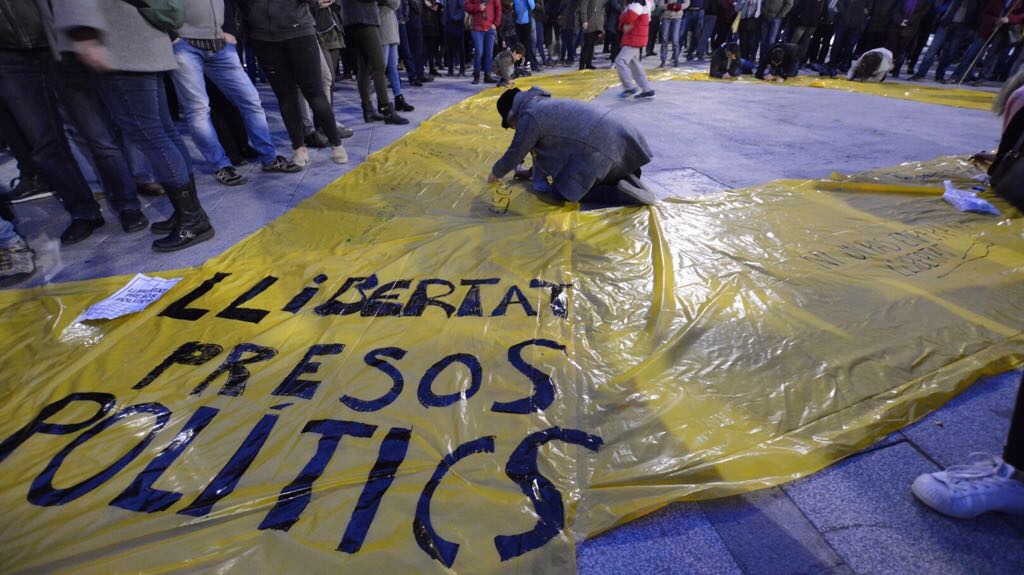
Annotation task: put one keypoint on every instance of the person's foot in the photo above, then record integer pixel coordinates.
(488, 79)
(627, 93)
(476, 78)
(132, 221)
(315, 139)
(150, 189)
(339, 155)
(662, 65)
(390, 117)
(984, 484)
(229, 176)
(427, 79)
(916, 78)
(633, 187)
(282, 165)
(26, 189)
(344, 132)
(80, 229)
(647, 94)
(17, 262)
(451, 72)
(401, 105)
(300, 156)
(416, 83)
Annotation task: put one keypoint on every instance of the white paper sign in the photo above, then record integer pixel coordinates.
(134, 297)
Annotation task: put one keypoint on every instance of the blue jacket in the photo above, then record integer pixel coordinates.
(523, 9)
(454, 10)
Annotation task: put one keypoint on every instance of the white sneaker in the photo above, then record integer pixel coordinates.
(633, 187)
(985, 484)
(300, 156)
(339, 155)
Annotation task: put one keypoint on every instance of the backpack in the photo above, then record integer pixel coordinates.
(164, 15)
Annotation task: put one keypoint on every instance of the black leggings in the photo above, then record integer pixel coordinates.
(296, 63)
(365, 42)
(456, 45)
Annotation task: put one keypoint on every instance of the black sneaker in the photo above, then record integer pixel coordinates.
(315, 139)
(229, 176)
(79, 230)
(344, 132)
(26, 189)
(132, 221)
(281, 164)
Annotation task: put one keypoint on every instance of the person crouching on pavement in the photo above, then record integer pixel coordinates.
(634, 24)
(579, 151)
(779, 63)
(505, 63)
(872, 66)
(726, 62)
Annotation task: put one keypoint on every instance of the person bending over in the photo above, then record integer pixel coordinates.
(872, 66)
(579, 151)
(779, 63)
(505, 63)
(726, 62)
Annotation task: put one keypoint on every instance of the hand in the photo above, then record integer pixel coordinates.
(586, 25)
(627, 27)
(93, 54)
(727, 76)
(491, 179)
(326, 3)
(230, 38)
(1004, 20)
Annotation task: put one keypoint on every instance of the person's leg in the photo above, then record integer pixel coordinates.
(839, 47)
(704, 46)
(694, 26)
(303, 56)
(405, 53)
(76, 88)
(997, 48)
(478, 49)
(621, 65)
(636, 69)
(27, 91)
(538, 42)
(938, 43)
(488, 49)
(390, 54)
(224, 69)
(275, 63)
(191, 90)
(675, 32)
(954, 42)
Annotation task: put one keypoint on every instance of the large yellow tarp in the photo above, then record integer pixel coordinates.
(413, 371)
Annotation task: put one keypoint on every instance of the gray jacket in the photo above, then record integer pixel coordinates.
(134, 44)
(592, 12)
(576, 144)
(388, 21)
(203, 20)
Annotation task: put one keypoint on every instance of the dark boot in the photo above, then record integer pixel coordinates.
(390, 117)
(192, 227)
(488, 79)
(476, 77)
(401, 105)
(369, 115)
(168, 225)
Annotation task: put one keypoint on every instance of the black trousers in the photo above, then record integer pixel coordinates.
(455, 39)
(1013, 453)
(525, 33)
(587, 51)
(365, 42)
(294, 64)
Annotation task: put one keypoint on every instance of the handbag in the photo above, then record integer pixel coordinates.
(164, 15)
(1007, 171)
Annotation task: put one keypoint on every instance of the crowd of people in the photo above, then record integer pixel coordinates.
(110, 79)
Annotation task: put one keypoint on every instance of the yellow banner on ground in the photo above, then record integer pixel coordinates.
(417, 372)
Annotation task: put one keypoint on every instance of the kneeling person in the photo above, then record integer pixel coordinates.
(727, 64)
(872, 66)
(579, 151)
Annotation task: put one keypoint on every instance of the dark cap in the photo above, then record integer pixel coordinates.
(505, 105)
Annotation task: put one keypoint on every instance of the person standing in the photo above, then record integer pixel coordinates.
(362, 32)
(955, 24)
(750, 28)
(772, 13)
(389, 48)
(672, 16)
(849, 22)
(112, 37)
(485, 16)
(904, 23)
(803, 20)
(612, 35)
(693, 24)
(591, 20)
(432, 36)
(712, 8)
(283, 36)
(203, 50)
(634, 23)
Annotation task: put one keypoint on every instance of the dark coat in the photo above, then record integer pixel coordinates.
(276, 20)
(720, 63)
(21, 25)
(578, 145)
(356, 12)
(787, 69)
(850, 13)
(806, 13)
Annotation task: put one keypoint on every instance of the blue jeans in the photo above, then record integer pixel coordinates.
(842, 47)
(706, 32)
(224, 69)
(769, 33)
(538, 41)
(138, 105)
(77, 88)
(483, 50)
(670, 29)
(8, 237)
(948, 40)
(27, 91)
(391, 68)
(693, 25)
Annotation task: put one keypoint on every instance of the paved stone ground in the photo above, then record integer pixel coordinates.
(857, 516)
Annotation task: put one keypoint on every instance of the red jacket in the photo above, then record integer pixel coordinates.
(637, 14)
(484, 17)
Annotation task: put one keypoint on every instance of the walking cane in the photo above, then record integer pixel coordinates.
(980, 52)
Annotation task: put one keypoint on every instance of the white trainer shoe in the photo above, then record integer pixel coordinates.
(300, 156)
(635, 188)
(339, 155)
(984, 484)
